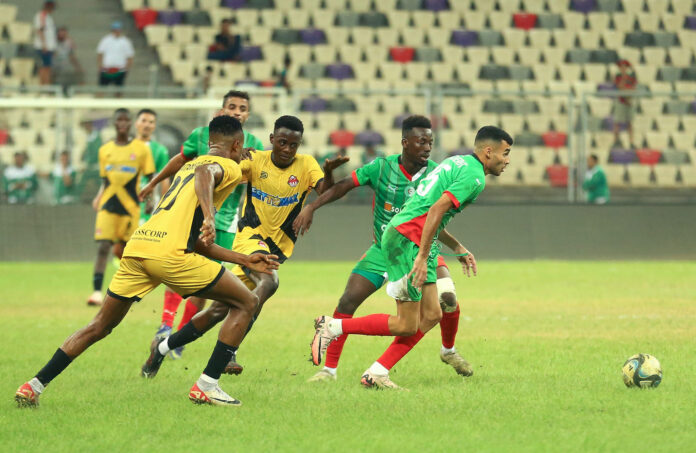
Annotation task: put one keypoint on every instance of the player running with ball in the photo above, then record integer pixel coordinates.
(410, 253)
(394, 179)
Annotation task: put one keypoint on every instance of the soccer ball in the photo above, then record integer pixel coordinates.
(643, 371)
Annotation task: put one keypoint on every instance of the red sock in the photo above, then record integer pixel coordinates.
(171, 305)
(333, 353)
(377, 325)
(398, 349)
(449, 324)
(189, 312)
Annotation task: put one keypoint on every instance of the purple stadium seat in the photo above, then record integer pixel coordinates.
(314, 104)
(436, 5)
(170, 17)
(690, 22)
(693, 107)
(369, 138)
(251, 53)
(313, 36)
(399, 120)
(234, 4)
(606, 86)
(583, 6)
(608, 124)
(464, 38)
(339, 71)
(242, 82)
(622, 156)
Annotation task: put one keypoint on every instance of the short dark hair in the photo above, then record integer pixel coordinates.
(117, 112)
(236, 94)
(224, 125)
(594, 157)
(492, 133)
(289, 122)
(148, 111)
(414, 121)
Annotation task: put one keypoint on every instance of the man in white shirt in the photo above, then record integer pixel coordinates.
(45, 40)
(114, 56)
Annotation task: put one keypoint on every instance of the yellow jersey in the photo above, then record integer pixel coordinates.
(274, 198)
(175, 224)
(122, 166)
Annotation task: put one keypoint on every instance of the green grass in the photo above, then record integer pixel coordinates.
(547, 339)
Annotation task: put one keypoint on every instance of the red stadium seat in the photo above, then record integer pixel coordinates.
(648, 156)
(4, 135)
(558, 175)
(525, 21)
(144, 17)
(555, 139)
(402, 54)
(342, 138)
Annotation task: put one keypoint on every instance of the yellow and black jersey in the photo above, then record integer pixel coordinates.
(274, 198)
(175, 224)
(122, 166)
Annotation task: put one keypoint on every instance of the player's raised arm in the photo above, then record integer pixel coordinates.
(329, 166)
(205, 179)
(464, 256)
(174, 165)
(336, 191)
(432, 222)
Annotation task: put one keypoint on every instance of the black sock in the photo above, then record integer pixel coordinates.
(251, 324)
(222, 354)
(98, 281)
(186, 335)
(54, 367)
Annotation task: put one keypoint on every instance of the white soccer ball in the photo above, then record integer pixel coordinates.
(642, 371)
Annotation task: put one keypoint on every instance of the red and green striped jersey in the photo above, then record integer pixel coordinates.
(461, 178)
(392, 185)
(197, 145)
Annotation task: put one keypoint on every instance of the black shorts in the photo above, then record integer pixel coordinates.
(115, 79)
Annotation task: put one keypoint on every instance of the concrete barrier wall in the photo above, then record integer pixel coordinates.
(343, 232)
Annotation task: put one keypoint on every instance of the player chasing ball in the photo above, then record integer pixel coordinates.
(278, 183)
(238, 105)
(394, 179)
(173, 248)
(122, 163)
(410, 253)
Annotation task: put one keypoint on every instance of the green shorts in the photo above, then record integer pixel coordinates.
(399, 254)
(224, 239)
(372, 266)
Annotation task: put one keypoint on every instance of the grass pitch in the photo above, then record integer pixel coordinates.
(547, 339)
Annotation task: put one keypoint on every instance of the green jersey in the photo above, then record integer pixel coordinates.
(596, 186)
(392, 186)
(160, 156)
(197, 145)
(461, 178)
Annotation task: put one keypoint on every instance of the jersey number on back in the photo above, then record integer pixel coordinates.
(169, 193)
(428, 183)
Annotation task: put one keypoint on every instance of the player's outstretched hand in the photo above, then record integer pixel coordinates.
(261, 262)
(248, 153)
(331, 164)
(208, 231)
(146, 191)
(419, 272)
(303, 221)
(467, 260)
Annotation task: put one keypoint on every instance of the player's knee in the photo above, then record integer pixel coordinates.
(250, 303)
(406, 327)
(103, 248)
(447, 294)
(431, 318)
(347, 305)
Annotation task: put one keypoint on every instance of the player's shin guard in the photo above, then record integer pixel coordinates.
(377, 325)
(171, 305)
(398, 349)
(333, 353)
(54, 367)
(221, 356)
(189, 312)
(449, 324)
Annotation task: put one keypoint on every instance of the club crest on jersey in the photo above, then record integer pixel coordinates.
(293, 181)
(132, 156)
(263, 175)
(410, 191)
(263, 244)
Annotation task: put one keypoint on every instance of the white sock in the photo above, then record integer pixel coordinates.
(164, 347)
(206, 383)
(332, 371)
(445, 350)
(37, 386)
(336, 327)
(378, 368)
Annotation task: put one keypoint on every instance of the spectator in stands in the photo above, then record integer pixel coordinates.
(90, 180)
(625, 80)
(205, 79)
(595, 183)
(227, 46)
(64, 179)
(20, 180)
(115, 56)
(45, 40)
(283, 75)
(66, 67)
(370, 154)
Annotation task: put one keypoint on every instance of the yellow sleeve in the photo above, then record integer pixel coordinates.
(102, 163)
(147, 163)
(246, 167)
(232, 173)
(313, 170)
